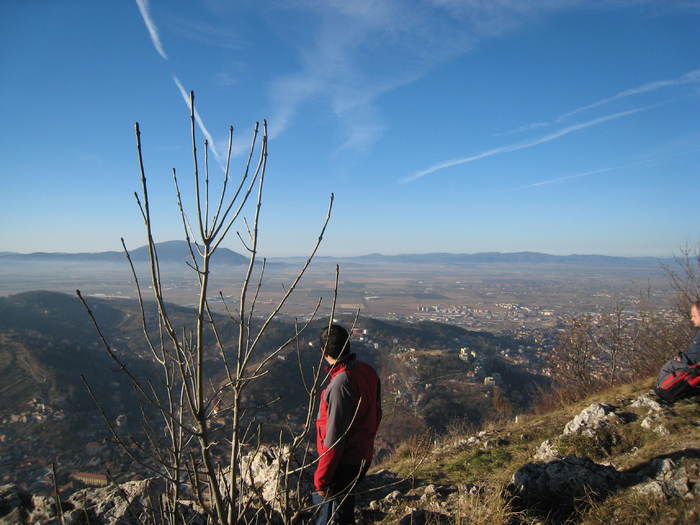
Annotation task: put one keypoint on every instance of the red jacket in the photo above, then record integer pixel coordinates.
(348, 418)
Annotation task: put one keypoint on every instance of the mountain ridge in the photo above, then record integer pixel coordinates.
(168, 252)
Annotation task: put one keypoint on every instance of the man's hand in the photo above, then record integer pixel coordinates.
(322, 492)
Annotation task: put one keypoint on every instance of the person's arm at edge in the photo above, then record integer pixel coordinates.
(693, 351)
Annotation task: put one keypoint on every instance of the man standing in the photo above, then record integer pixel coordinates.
(348, 418)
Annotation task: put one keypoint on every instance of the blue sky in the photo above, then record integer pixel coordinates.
(447, 125)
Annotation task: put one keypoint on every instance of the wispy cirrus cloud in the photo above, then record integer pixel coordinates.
(200, 123)
(151, 26)
(523, 145)
(207, 33)
(358, 51)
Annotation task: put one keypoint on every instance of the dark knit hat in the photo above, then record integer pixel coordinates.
(335, 341)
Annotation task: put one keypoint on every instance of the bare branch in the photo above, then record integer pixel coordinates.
(215, 220)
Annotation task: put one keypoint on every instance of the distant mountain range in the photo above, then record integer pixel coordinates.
(177, 252)
(168, 252)
(498, 257)
(514, 257)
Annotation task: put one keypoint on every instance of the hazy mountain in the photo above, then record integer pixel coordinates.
(458, 259)
(168, 252)
(177, 252)
(515, 257)
(47, 342)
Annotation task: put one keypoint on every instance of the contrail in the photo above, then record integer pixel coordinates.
(567, 177)
(524, 145)
(152, 29)
(201, 125)
(687, 78)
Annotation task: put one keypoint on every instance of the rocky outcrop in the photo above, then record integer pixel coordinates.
(668, 479)
(130, 503)
(485, 439)
(272, 471)
(547, 451)
(555, 485)
(655, 423)
(593, 419)
(648, 400)
(569, 477)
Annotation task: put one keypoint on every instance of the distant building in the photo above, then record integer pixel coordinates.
(91, 478)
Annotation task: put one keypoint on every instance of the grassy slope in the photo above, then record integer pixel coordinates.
(493, 467)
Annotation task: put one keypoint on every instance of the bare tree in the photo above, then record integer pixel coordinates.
(573, 360)
(685, 277)
(180, 450)
(615, 337)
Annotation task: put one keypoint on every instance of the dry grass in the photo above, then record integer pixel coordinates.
(635, 509)
(629, 448)
(490, 508)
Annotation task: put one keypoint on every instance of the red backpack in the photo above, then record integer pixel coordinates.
(679, 378)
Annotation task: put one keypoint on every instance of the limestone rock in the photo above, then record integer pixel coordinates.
(43, 509)
(392, 496)
(116, 504)
(547, 451)
(668, 480)
(591, 419)
(430, 490)
(130, 503)
(485, 439)
(654, 423)
(264, 470)
(652, 488)
(649, 400)
(544, 484)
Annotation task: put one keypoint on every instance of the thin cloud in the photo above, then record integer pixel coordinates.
(525, 127)
(358, 51)
(563, 178)
(524, 145)
(152, 29)
(200, 123)
(688, 78)
(643, 161)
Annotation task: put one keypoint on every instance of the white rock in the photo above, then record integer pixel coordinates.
(661, 430)
(547, 451)
(651, 488)
(392, 496)
(648, 400)
(591, 419)
(654, 423)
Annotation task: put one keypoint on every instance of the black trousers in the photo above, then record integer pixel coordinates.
(339, 505)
